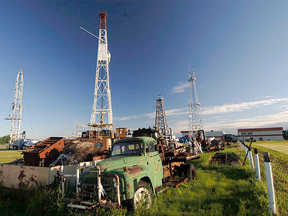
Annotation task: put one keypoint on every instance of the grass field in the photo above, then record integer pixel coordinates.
(280, 146)
(217, 190)
(7, 156)
(279, 160)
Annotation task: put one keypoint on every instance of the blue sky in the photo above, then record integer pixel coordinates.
(239, 51)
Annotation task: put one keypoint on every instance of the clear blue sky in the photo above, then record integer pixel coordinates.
(239, 50)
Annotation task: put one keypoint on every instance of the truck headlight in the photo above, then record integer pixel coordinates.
(114, 183)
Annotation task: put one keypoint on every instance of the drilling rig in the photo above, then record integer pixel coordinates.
(102, 106)
(195, 119)
(16, 110)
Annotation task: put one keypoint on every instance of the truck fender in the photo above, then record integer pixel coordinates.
(131, 186)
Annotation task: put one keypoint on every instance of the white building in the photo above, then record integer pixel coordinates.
(260, 134)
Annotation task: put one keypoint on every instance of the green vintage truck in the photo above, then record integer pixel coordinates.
(135, 172)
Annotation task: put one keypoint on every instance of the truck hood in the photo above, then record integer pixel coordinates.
(118, 162)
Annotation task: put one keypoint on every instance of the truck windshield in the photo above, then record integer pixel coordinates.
(127, 148)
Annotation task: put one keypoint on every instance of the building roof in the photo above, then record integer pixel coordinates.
(260, 129)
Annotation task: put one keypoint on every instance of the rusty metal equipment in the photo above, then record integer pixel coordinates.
(121, 133)
(225, 158)
(249, 149)
(44, 153)
(173, 157)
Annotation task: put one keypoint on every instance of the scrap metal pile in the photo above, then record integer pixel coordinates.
(225, 158)
(85, 151)
(57, 151)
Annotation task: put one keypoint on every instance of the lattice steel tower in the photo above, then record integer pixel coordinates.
(195, 119)
(16, 109)
(161, 120)
(102, 95)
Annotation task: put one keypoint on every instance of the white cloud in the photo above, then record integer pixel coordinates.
(264, 97)
(239, 107)
(176, 112)
(181, 87)
(221, 123)
(279, 119)
(257, 121)
(150, 115)
(125, 118)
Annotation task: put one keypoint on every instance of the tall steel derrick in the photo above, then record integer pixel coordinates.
(195, 118)
(161, 123)
(102, 105)
(16, 109)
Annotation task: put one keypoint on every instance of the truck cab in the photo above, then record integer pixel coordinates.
(131, 174)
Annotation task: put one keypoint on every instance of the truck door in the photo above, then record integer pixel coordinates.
(154, 163)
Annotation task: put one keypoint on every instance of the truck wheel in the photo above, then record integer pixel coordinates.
(190, 171)
(143, 196)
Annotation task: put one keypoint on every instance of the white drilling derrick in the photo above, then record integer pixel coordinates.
(195, 119)
(161, 123)
(16, 109)
(102, 96)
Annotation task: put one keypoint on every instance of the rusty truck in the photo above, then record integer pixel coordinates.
(138, 168)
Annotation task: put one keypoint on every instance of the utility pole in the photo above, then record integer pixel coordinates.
(102, 96)
(16, 109)
(161, 123)
(195, 118)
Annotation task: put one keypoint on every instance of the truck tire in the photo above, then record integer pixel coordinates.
(143, 196)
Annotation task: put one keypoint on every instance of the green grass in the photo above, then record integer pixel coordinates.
(217, 190)
(9, 156)
(280, 171)
(280, 146)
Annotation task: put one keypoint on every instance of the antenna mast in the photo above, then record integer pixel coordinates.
(195, 119)
(102, 96)
(16, 109)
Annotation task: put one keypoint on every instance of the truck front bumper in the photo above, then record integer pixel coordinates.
(77, 203)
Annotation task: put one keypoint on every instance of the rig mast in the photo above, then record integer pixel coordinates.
(102, 96)
(195, 119)
(161, 123)
(16, 109)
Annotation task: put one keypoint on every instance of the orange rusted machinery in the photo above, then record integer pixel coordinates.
(45, 152)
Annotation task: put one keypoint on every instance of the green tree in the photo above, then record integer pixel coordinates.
(285, 134)
(4, 139)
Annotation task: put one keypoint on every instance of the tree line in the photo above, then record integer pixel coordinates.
(4, 139)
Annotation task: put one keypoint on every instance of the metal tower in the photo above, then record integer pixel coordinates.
(102, 96)
(16, 109)
(161, 120)
(195, 119)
